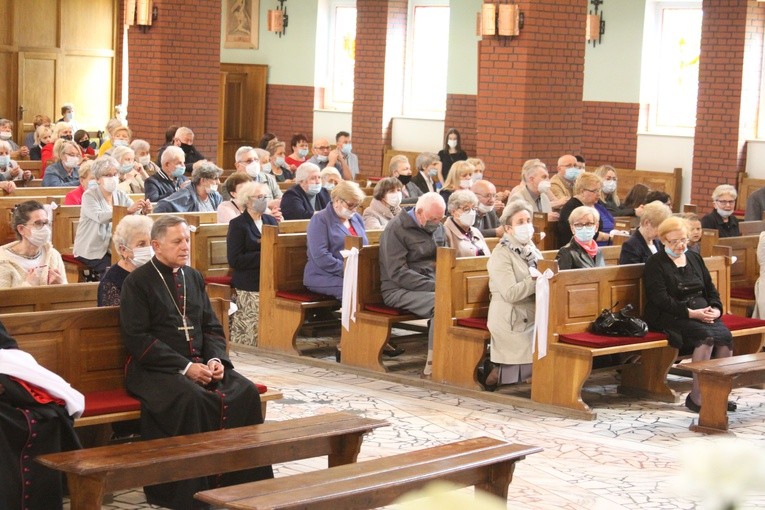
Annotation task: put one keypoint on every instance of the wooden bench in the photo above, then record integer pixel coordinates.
(283, 298)
(744, 271)
(38, 192)
(717, 377)
(748, 228)
(7, 205)
(746, 186)
(48, 297)
(668, 182)
(391, 152)
(610, 254)
(550, 228)
(94, 472)
(486, 463)
(362, 344)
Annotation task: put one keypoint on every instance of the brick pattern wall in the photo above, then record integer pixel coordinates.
(719, 143)
(609, 133)
(376, 24)
(529, 102)
(175, 74)
(460, 114)
(289, 110)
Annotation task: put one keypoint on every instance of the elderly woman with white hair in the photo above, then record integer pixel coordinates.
(722, 218)
(644, 242)
(131, 173)
(512, 307)
(142, 151)
(330, 178)
(94, 230)
(582, 250)
(132, 240)
(243, 252)
(307, 196)
(460, 232)
(201, 195)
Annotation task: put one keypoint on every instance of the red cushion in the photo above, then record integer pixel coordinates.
(473, 322)
(71, 259)
(739, 213)
(735, 322)
(302, 295)
(742, 293)
(223, 280)
(599, 341)
(262, 388)
(109, 401)
(387, 310)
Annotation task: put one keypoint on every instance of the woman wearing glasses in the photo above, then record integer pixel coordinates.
(587, 189)
(31, 260)
(582, 250)
(682, 302)
(460, 232)
(722, 219)
(326, 237)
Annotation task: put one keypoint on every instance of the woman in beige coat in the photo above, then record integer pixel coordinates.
(460, 232)
(512, 308)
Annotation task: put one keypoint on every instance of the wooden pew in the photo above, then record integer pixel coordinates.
(484, 462)
(48, 297)
(65, 221)
(709, 238)
(748, 228)
(610, 254)
(33, 166)
(36, 193)
(293, 226)
(7, 205)
(746, 187)
(717, 377)
(283, 298)
(390, 152)
(94, 472)
(362, 344)
(744, 272)
(208, 249)
(550, 229)
(668, 182)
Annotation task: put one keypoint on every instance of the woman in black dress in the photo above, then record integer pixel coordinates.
(132, 240)
(682, 301)
(451, 153)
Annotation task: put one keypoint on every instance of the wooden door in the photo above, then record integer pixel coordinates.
(37, 88)
(243, 109)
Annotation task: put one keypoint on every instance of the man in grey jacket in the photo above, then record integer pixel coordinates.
(408, 261)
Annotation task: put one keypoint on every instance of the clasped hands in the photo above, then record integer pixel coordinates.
(707, 315)
(205, 374)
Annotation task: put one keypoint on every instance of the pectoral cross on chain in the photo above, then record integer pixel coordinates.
(186, 328)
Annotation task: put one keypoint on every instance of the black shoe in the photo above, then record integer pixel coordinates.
(483, 373)
(690, 404)
(732, 406)
(392, 352)
(337, 354)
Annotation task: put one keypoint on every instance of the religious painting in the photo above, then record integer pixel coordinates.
(240, 23)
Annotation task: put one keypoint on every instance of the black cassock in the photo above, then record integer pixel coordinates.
(28, 429)
(171, 404)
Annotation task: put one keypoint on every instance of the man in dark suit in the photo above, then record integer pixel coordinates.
(302, 200)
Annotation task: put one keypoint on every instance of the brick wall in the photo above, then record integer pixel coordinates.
(175, 73)
(609, 133)
(377, 25)
(460, 114)
(529, 100)
(719, 147)
(289, 110)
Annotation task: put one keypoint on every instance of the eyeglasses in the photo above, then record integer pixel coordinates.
(322, 148)
(677, 242)
(725, 202)
(38, 224)
(487, 195)
(352, 207)
(259, 197)
(583, 225)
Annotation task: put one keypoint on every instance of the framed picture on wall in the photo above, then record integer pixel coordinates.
(240, 22)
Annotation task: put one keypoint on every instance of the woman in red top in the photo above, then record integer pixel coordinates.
(83, 140)
(299, 144)
(74, 197)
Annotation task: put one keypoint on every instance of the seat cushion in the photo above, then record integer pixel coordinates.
(262, 388)
(735, 322)
(600, 341)
(303, 296)
(72, 260)
(742, 293)
(223, 280)
(387, 310)
(109, 401)
(473, 322)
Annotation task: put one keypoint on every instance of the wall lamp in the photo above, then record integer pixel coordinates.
(505, 20)
(141, 13)
(277, 19)
(596, 25)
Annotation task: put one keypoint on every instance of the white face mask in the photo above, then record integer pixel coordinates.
(393, 198)
(485, 209)
(609, 187)
(5, 135)
(523, 233)
(452, 143)
(465, 183)
(110, 184)
(212, 188)
(142, 255)
(71, 161)
(544, 186)
(253, 169)
(723, 212)
(144, 160)
(40, 237)
(467, 219)
(346, 214)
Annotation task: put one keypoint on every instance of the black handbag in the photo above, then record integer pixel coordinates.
(619, 324)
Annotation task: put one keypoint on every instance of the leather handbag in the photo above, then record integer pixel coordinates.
(619, 324)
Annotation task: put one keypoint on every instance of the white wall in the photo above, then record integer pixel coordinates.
(417, 134)
(327, 123)
(755, 158)
(664, 153)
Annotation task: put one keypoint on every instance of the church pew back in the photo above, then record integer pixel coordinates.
(37, 192)
(747, 186)
(7, 205)
(550, 228)
(48, 297)
(208, 249)
(65, 221)
(668, 182)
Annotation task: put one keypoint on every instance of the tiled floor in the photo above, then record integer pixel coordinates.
(627, 458)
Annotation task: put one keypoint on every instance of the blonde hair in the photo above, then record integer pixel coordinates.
(655, 213)
(348, 191)
(477, 163)
(455, 174)
(601, 172)
(671, 224)
(40, 132)
(586, 181)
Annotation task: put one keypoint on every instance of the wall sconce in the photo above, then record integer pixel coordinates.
(507, 21)
(596, 25)
(277, 19)
(141, 13)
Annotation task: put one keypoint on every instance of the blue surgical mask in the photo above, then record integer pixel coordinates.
(266, 167)
(302, 152)
(585, 234)
(127, 167)
(329, 186)
(92, 184)
(321, 158)
(279, 161)
(313, 189)
(572, 173)
(433, 172)
(347, 148)
(120, 143)
(609, 187)
(179, 170)
(5, 160)
(672, 254)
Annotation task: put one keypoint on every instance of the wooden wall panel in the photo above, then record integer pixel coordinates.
(7, 88)
(87, 24)
(6, 23)
(36, 23)
(37, 85)
(86, 81)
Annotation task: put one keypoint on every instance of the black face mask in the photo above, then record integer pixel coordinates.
(84, 143)
(404, 179)
(67, 137)
(186, 148)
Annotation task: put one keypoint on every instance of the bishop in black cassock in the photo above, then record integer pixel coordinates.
(177, 365)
